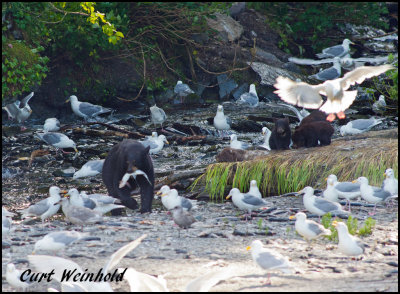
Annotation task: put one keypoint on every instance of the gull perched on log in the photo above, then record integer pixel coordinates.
(338, 99)
(336, 51)
(86, 109)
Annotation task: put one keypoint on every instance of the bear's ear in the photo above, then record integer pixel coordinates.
(147, 149)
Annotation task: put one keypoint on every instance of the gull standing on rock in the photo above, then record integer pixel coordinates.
(251, 98)
(348, 244)
(182, 90)
(57, 140)
(372, 194)
(182, 218)
(221, 121)
(51, 125)
(379, 105)
(359, 126)
(235, 144)
(86, 109)
(158, 115)
(318, 205)
(336, 51)
(47, 207)
(308, 229)
(338, 99)
(269, 259)
(79, 215)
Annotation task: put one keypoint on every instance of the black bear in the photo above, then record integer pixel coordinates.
(315, 115)
(126, 157)
(281, 134)
(308, 135)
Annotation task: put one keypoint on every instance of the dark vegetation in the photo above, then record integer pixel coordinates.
(127, 50)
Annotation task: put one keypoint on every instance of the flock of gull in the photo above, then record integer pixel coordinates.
(82, 209)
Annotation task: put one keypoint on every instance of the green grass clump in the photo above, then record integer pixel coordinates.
(366, 229)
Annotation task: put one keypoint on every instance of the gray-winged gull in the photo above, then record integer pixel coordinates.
(372, 194)
(221, 121)
(156, 144)
(246, 201)
(6, 220)
(101, 198)
(182, 218)
(308, 229)
(45, 208)
(320, 206)
(182, 90)
(269, 259)
(348, 244)
(170, 199)
(250, 98)
(235, 144)
(19, 110)
(57, 140)
(359, 126)
(56, 241)
(380, 104)
(254, 189)
(390, 183)
(13, 277)
(86, 109)
(330, 73)
(89, 169)
(158, 115)
(92, 203)
(79, 215)
(337, 50)
(51, 125)
(346, 190)
(338, 99)
(267, 134)
(45, 264)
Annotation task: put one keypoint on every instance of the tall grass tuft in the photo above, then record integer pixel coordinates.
(289, 171)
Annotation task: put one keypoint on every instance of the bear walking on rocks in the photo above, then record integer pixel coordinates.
(281, 134)
(307, 135)
(126, 157)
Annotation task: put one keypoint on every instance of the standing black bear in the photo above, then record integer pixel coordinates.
(308, 135)
(127, 157)
(281, 134)
(315, 115)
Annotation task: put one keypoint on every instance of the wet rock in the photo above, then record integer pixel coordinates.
(246, 126)
(226, 85)
(228, 28)
(267, 57)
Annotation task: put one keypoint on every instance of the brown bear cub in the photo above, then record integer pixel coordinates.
(307, 135)
(281, 135)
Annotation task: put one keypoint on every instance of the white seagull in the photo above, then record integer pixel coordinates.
(330, 73)
(158, 115)
(89, 169)
(251, 98)
(235, 144)
(359, 126)
(308, 229)
(86, 109)
(267, 134)
(348, 244)
(336, 51)
(221, 121)
(338, 99)
(51, 125)
(170, 199)
(182, 90)
(390, 183)
(57, 140)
